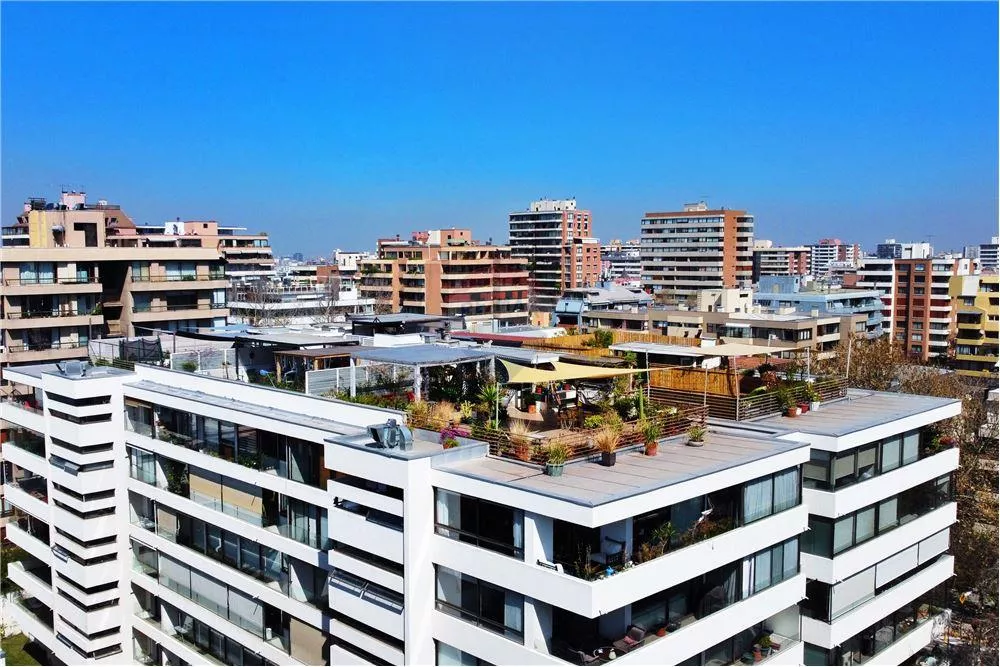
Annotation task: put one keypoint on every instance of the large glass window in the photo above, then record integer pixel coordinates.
(827, 537)
(828, 471)
(142, 465)
(481, 522)
(769, 495)
(481, 603)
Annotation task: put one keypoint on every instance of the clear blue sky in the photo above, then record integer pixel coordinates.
(331, 124)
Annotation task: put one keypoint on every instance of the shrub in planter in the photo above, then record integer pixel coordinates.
(812, 396)
(607, 443)
(696, 435)
(520, 439)
(650, 435)
(556, 454)
(593, 422)
(449, 443)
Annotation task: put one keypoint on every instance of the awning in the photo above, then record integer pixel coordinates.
(518, 374)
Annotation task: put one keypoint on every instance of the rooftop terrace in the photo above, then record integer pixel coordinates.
(859, 410)
(589, 483)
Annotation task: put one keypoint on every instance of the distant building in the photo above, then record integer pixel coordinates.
(893, 250)
(916, 305)
(827, 251)
(558, 243)
(248, 256)
(976, 304)
(73, 271)
(988, 254)
(573, 303)
(769, 260)
(620, 263)
(445, 272)
(781, 294)
(297, 256)
(698, 248)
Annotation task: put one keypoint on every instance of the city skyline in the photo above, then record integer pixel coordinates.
(330, 125)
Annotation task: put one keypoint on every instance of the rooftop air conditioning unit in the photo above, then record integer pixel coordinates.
(392, 435)
(73, 369)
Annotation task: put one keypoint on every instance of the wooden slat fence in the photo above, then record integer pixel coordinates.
(720, 382)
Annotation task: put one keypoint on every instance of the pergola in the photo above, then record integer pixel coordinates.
(418, 358)
(314, 359)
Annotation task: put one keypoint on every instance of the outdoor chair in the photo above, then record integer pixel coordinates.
(632, 639)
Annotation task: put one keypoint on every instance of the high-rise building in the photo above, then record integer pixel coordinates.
(988, 254)
(172, 518)
(445, 272)
(557, 240)
(248, 256)
(769, 260)
(827, 251)
(74, 271)
(917, 308)
(976, 304)
(697, 248)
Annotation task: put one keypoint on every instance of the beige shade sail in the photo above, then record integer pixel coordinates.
(519, 374)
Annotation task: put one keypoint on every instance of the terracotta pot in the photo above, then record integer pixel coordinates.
(652, 448)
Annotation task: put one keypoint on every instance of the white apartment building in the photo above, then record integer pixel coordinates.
(269, 527)
(827, 251)
(879, 489)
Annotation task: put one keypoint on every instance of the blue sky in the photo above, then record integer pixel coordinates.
(329, 124)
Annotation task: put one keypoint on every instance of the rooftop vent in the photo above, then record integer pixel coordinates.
(391, 435)
(73, 369)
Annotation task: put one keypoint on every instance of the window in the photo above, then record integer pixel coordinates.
(483, 604)
(480, 522)
(770, 495)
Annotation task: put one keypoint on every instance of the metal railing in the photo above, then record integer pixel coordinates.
(13, 282)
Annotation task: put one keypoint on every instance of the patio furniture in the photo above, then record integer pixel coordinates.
(632, 639)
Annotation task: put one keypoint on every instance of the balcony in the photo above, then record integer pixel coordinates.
(186, 311)
(43, 351)
(34, 618)
(368, 530)
(29, 494)
(46, 286)
(823, 626)
(147, 283)
(34, 577)
(369, 603)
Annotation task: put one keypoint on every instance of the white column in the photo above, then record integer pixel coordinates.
(354, 382)
(419, 584)
(537, 625)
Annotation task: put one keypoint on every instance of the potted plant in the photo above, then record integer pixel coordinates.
(787, 402)
(662, 632)
(520, 438)
(813, 396)
(556, 454)
(663, 536)
(803, 407)
(650, 435)
(607, 443)
(696, 435)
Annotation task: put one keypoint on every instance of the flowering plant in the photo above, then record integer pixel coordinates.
(452, 434)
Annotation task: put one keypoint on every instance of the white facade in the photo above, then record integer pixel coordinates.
(180, 518)
(881, 506)
(880, 275)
